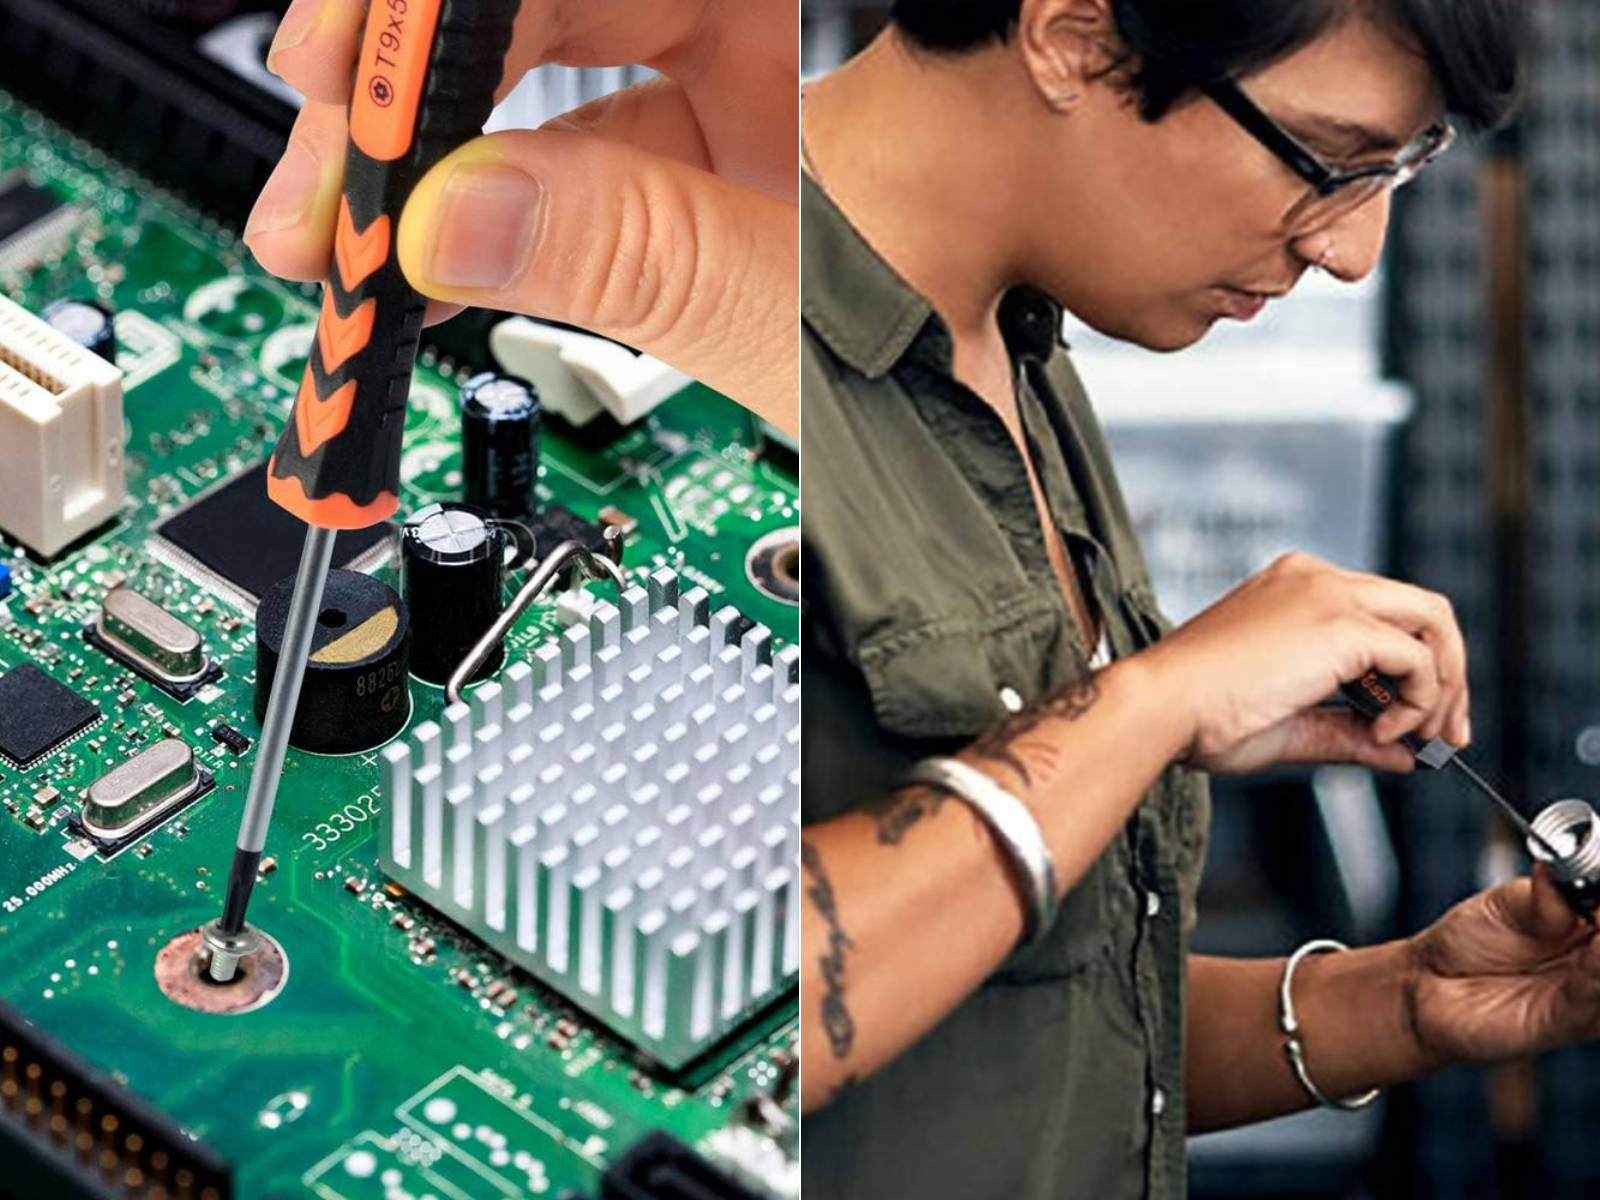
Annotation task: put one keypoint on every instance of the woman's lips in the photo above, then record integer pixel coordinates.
(1242, 305)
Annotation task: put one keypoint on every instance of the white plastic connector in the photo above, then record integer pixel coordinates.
(580, 375)
(61, 463)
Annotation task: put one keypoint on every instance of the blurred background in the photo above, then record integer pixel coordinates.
(1440, 423)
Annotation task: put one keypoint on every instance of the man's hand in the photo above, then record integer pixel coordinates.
(663, 216)
(1509, 973)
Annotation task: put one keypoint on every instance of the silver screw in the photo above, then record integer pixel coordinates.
(228, 948)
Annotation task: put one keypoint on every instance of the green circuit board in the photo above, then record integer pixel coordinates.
(401, 1057)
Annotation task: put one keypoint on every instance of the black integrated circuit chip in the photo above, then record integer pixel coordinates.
(37, 714)
(235, 533)
(21, 206)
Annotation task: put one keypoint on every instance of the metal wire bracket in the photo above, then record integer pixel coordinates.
(596, 566)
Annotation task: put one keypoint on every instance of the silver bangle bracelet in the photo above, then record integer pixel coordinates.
(1012, 825)
(1289, 1023)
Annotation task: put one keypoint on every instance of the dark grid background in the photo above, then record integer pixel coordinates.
(1501, 511)
(1562, 161)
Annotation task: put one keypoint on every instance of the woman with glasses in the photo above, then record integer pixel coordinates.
(1006, 747)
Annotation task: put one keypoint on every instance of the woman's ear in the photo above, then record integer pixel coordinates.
(1066, 46)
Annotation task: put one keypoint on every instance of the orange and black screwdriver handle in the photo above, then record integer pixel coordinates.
(424, 84)
(1373, 695)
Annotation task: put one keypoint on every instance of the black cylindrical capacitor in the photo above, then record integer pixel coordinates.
(85, 322)
(500, 445)
(357, 691)
(453, 573)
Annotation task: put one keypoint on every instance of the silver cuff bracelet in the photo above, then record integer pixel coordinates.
(1289, 1023)
(1013, 827)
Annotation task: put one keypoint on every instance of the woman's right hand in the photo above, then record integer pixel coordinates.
(1253, 670)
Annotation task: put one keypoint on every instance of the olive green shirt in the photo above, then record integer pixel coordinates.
(930, 599)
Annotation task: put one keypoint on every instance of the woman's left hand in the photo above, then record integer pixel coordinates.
(1509, 973)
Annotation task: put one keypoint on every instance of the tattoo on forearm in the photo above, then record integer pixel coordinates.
(837, 1022)
(905, 809)
(1012, 744)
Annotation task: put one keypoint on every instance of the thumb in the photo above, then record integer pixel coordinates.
(659, 255)
(1548, 917)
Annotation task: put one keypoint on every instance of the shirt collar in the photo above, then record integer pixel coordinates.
(853, 300)
(870, 317)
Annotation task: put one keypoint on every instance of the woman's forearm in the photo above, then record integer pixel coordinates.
(908, 905)
(1354, 1011)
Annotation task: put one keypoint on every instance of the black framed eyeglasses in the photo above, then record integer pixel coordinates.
(1335, 192)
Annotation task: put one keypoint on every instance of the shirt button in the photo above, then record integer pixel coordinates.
(1152, 904)
(1158, 1103)
(1011, 699)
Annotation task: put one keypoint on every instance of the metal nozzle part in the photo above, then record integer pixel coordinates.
(1568, 827)
(1566, 837)
(228, 948)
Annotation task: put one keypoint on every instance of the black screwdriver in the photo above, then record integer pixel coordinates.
(1374, 694)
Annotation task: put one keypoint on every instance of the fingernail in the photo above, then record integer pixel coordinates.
(290, 192)
(484, 226)
(295, 28)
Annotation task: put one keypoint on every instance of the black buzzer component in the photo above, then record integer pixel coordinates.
(452, 560)
(356, 694)
(500, 445)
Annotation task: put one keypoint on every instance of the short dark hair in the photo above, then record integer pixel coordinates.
(1476, 48)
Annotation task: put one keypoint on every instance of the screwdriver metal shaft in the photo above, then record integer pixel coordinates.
(1510, 810)
(306, 603)
(1371, 697)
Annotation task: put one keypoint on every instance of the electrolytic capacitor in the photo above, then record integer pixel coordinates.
(453, 575)
(500, 445)
(85, 322)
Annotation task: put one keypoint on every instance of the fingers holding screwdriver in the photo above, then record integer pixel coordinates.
(663, 217)
(1430, 618)
(1258, 667)
(1415, 667)
(735, 68)
(291, 229)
